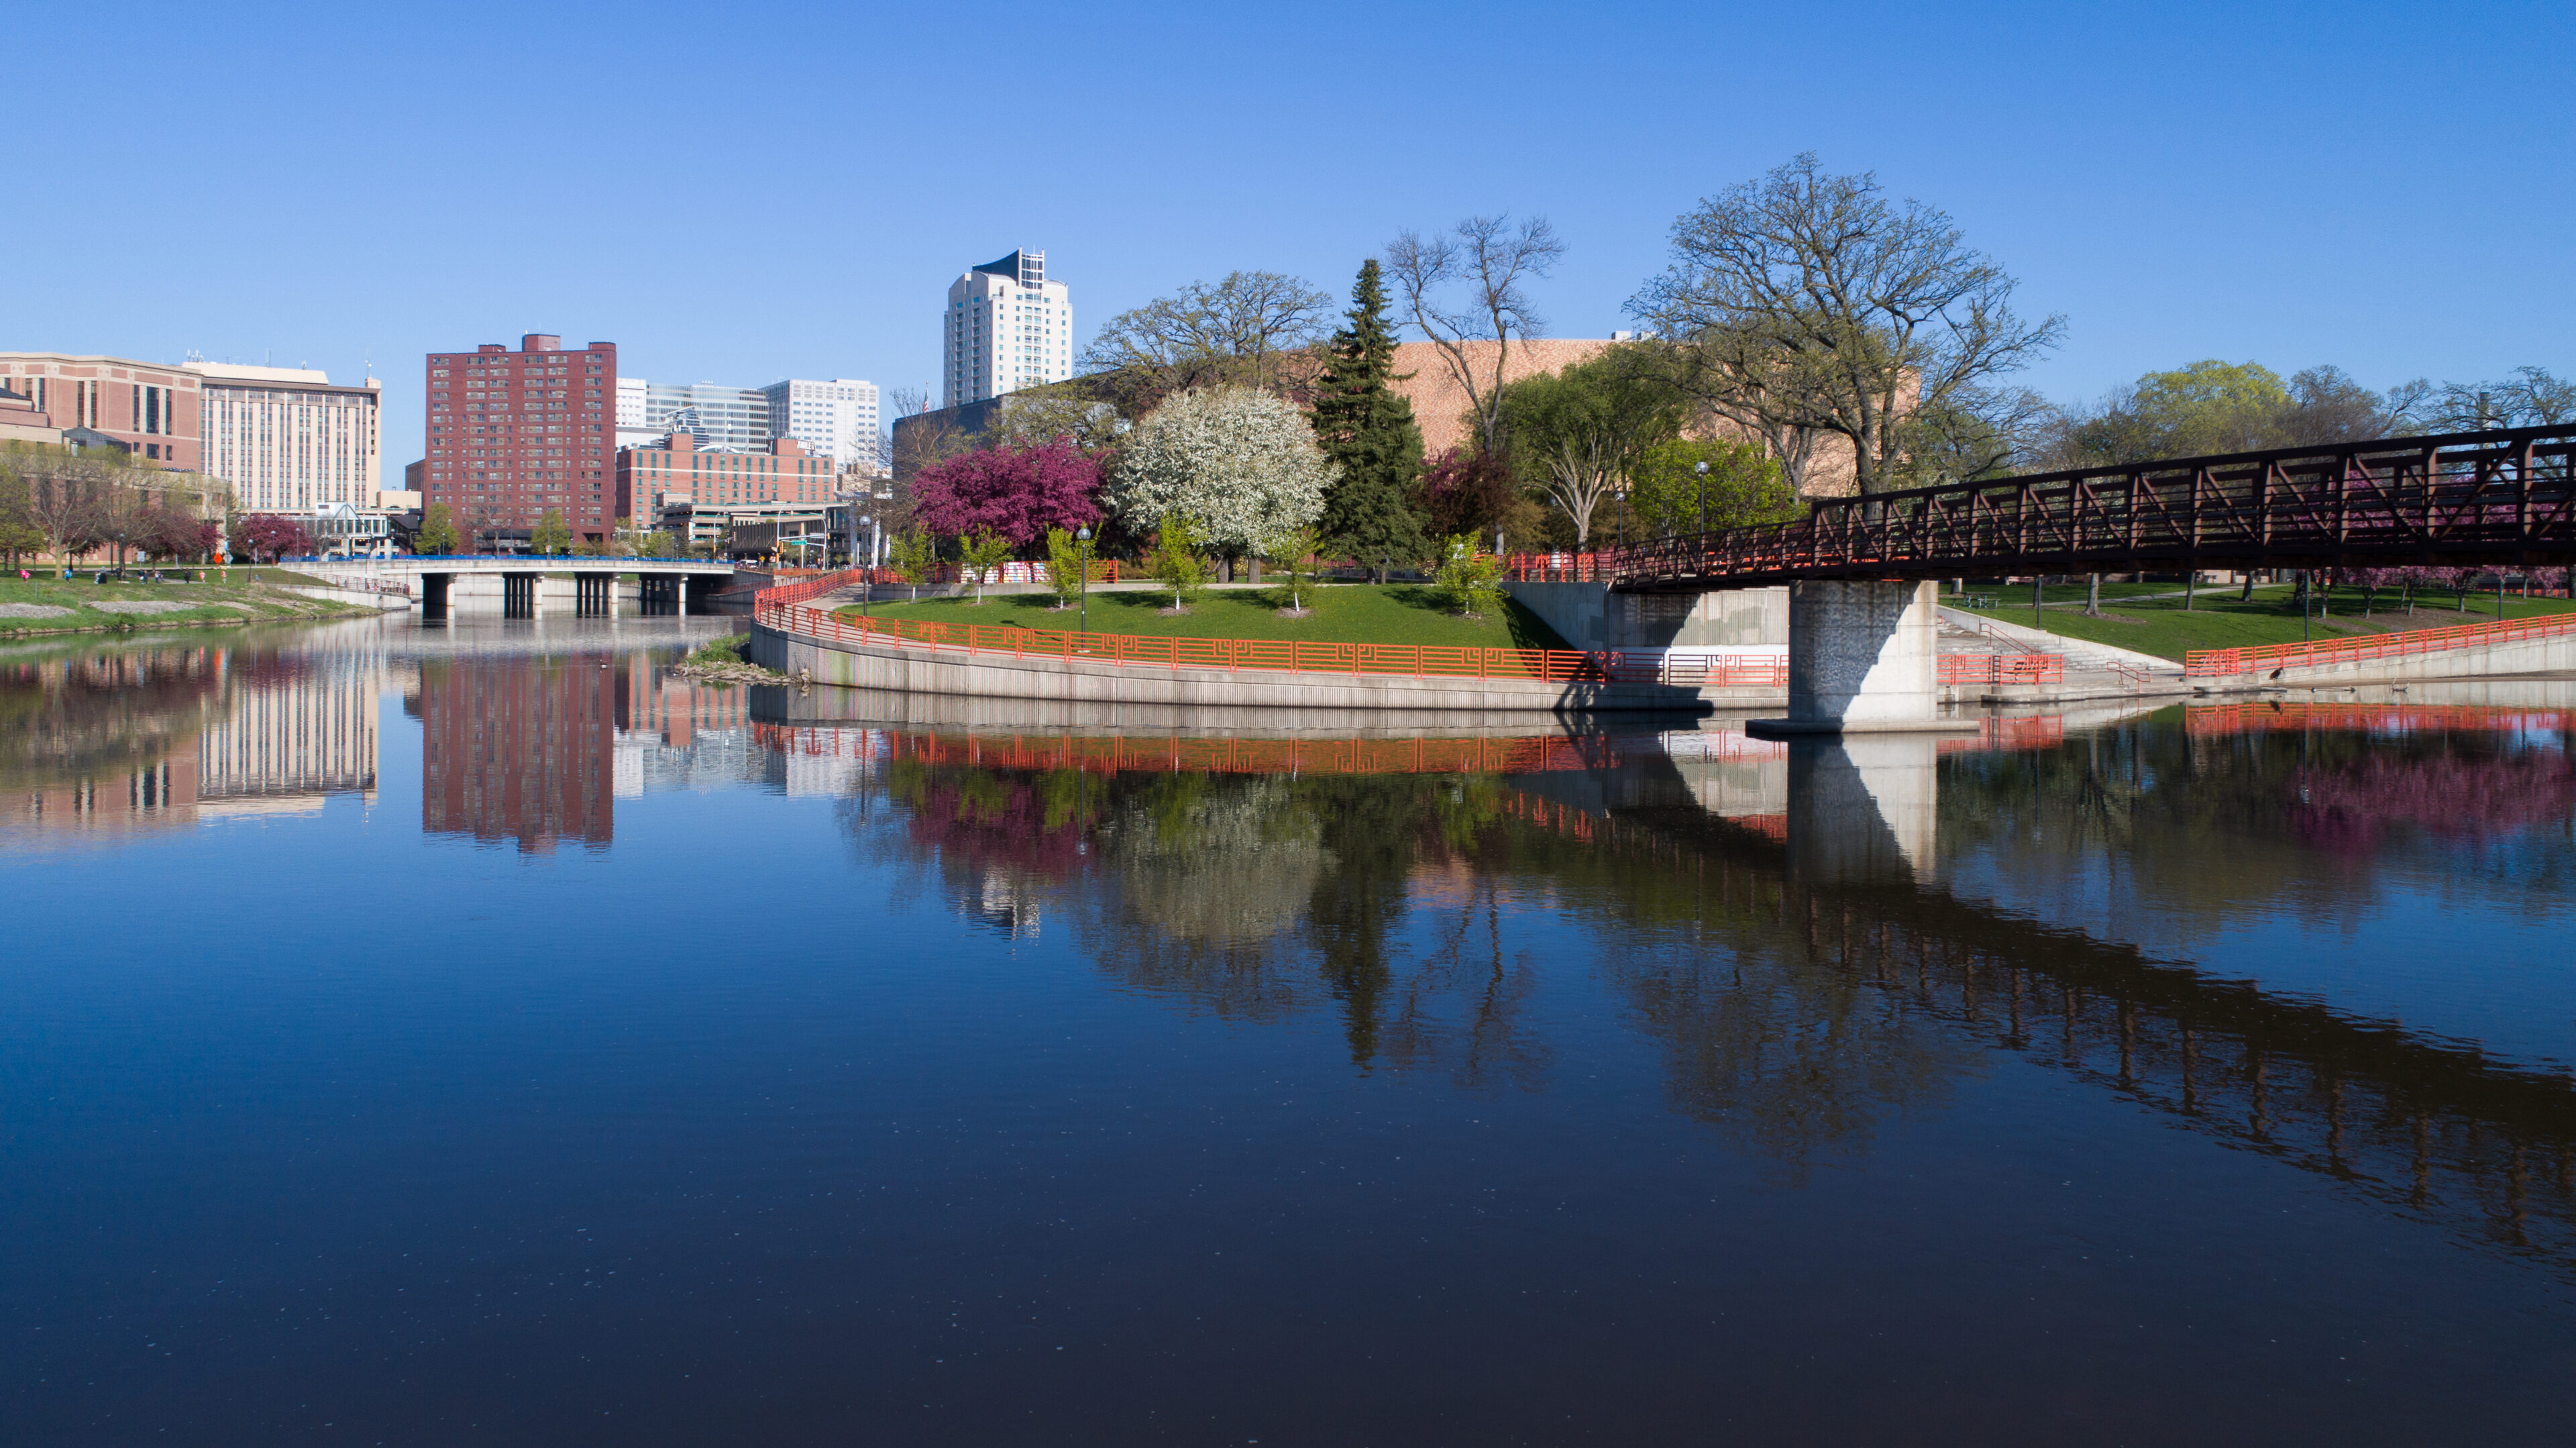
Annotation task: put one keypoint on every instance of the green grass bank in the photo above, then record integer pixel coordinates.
(1339, 613)
(2149, 617)
(51, 605)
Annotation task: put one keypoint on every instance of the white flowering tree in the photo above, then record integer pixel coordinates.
(1240, 463)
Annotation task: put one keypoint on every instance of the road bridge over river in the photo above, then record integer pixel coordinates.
(525, 586)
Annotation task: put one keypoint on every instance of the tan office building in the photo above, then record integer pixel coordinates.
(287, 439)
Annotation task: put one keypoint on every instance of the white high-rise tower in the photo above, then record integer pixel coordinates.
(1007, 327)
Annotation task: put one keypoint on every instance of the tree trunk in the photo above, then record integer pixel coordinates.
(1255, 565)
(2190, 578)
(2248, 595)
(1225, 568)
(2093, 596)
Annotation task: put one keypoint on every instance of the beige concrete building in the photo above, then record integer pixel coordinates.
(1441, 406)
(287, 439)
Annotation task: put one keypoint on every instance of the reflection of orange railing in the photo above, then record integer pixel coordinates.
(2265, 716)
(1117, 755)
(2003, 668)
(2209, 663)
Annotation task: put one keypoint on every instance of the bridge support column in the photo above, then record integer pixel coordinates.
(1862, 658)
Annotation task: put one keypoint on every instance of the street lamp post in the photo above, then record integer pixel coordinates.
(1701, 468)
(1082, 536)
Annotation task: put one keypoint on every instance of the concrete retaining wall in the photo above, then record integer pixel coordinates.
(2548, 655)
(364, 598)
(999, 676)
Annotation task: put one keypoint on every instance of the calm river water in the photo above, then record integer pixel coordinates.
(441, 1036)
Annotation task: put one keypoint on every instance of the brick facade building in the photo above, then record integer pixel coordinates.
(152, 410)
(514, 434)
(677, 470)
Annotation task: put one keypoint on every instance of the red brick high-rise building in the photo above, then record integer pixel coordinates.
(513, 434)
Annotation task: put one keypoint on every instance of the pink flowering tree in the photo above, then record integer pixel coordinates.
(1017, 492)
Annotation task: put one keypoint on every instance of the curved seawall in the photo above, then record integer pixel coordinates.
(914, 668)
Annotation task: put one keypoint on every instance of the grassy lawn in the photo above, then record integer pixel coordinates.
(1343, 613)
(2217, 621)
(27, 606)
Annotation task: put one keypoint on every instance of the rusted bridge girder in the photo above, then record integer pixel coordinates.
(2461, 499)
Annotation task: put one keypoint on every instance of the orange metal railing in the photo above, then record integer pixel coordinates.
(2213, 663)
(2003, 668)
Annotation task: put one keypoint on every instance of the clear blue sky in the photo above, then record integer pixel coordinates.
(746, 193)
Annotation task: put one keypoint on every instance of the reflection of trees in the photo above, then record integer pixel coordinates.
(1224, 862)
(2190, 831)
(2350, 808)
(1253, 895)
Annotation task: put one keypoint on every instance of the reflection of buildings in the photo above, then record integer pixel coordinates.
(290, 742)
(519, 748)
(827, 763)
(157, 738)
(676, 735)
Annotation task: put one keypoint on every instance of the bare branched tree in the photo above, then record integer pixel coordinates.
(1982, 432)
(1465, 286)
(70, 502)
(1236, 332)
(1820, 305)
(931, 436)
(2531, 397)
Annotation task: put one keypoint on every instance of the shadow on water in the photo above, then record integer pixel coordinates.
(1776, 919)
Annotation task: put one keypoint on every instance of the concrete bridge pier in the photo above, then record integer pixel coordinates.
(433, 594)
(1863, 658)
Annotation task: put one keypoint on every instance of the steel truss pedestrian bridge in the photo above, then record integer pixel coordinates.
(2477, 499)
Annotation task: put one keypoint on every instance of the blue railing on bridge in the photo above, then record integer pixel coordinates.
(504, 558)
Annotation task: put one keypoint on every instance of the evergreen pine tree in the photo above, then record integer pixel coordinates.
(1369, 434)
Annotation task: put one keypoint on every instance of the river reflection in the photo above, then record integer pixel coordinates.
(1775, 916)
(808, 1066)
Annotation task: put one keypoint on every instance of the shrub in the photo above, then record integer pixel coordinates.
(1471, 584)
(1177, 564)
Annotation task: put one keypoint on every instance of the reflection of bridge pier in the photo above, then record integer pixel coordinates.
(1863, 807)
